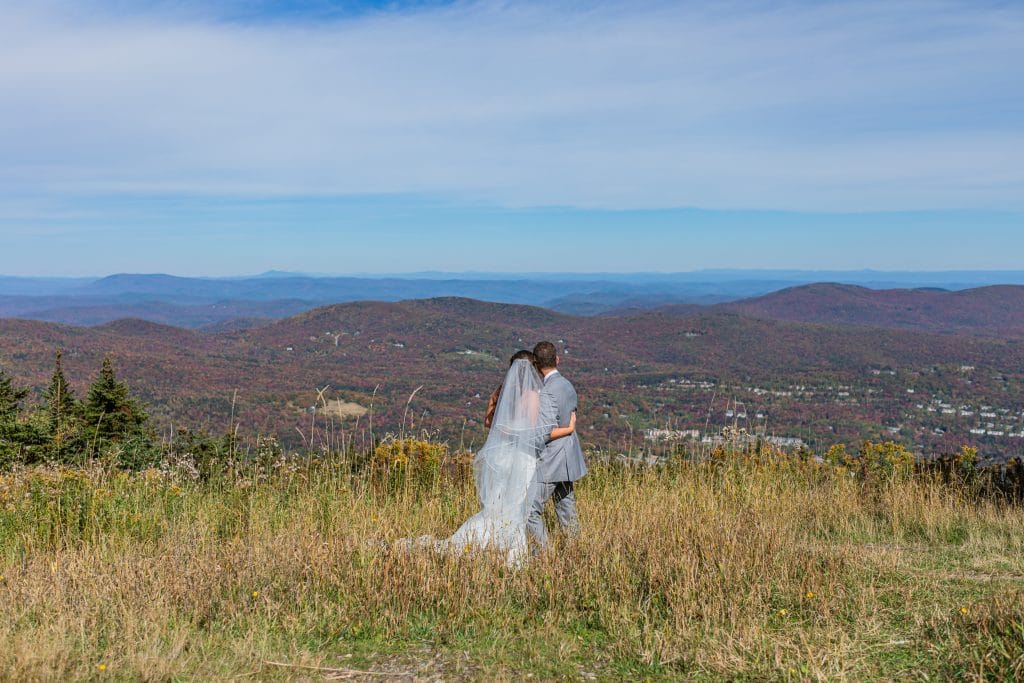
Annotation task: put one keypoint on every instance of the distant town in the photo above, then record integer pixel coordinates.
(923, 409)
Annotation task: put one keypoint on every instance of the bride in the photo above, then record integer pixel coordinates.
(503, 469)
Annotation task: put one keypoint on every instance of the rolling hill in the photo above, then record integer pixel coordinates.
(996, 311)
(634, 370)
(216, 302)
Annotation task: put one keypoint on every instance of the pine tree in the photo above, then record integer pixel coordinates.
(10, 400)
(109, 410)
(60, 400)
(12, 442)
(62, 421)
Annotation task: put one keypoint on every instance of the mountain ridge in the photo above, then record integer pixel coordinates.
(994, 310)
(214, 302)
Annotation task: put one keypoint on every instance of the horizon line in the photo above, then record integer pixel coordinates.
(537, 273)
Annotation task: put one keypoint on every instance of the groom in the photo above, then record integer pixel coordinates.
(561, 462)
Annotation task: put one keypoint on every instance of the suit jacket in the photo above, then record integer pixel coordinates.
(561, 459)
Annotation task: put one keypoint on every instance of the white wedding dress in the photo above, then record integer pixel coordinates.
(503, 471)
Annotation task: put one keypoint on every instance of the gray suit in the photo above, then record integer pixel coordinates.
(559, 464)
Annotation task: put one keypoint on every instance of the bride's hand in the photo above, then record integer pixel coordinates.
(562, 432)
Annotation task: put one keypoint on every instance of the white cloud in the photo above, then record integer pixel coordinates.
(808, 106)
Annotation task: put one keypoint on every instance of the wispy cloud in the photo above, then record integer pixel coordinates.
(800, 105)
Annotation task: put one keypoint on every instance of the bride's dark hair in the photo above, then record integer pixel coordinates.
(524, 355)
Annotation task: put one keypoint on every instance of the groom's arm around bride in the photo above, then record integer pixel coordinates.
(561, 462)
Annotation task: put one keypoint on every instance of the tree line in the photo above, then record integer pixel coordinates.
(68, 430)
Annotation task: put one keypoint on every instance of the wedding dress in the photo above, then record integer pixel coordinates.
(503, 471)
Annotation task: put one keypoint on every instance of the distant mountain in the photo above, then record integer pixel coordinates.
(39, 286)
(199, 316)
(993, 311)
(205, 302)
(779, 278)
(215, 303)
(605, 303)
(539, 290)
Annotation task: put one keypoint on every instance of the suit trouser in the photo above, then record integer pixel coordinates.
(565, 509)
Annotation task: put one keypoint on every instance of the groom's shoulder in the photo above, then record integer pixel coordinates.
(560, 379)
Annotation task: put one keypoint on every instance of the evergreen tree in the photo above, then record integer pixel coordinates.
(60, 399)
(12, 442)
(10, 400)
(109, 410)
(61, 412)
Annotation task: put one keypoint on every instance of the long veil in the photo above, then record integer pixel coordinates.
(516, 430)
(503, 469)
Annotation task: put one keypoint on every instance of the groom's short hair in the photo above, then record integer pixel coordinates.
(547, 355)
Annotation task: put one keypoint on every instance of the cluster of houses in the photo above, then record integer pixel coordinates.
(992, 420)
(729, 436)
(841, 391)
(690, 384)
(989, 421)
(671, 435)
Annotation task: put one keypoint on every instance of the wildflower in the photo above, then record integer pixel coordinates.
(2, 577)
(101, 667)
(810, 595)
(255, 594)
(963, 610)
(783, 612)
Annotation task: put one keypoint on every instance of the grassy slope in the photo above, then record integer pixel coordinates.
(745, 570)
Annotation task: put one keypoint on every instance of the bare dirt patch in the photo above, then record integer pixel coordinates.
(343, 409)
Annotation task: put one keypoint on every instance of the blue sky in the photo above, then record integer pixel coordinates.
(236, 137)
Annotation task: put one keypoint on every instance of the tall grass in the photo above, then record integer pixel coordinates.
(756, 568)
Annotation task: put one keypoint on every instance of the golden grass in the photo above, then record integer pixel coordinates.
(746, 569)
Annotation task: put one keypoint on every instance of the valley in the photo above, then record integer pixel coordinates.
(348, 366)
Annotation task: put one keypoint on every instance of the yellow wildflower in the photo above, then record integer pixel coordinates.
(255, 594)
(783, 612)
(810, 595)
(963, 610)
(101, 667)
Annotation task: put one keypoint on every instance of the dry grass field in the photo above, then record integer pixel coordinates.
(745, 568)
